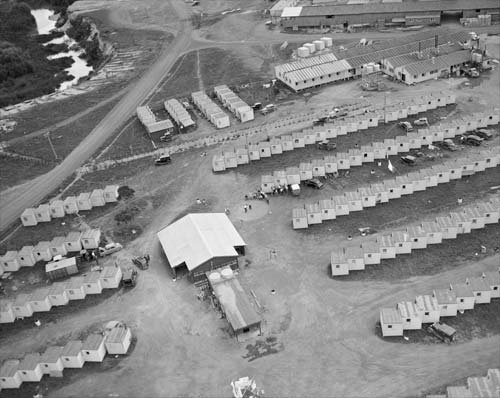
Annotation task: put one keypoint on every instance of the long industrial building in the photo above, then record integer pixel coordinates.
(383, 12)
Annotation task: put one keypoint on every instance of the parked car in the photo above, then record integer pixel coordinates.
(163, 159)
(320, 121)
(315, 183)
(409, 160)
(110, 248)
(450, 145)
(421, 122)
(484, 134)
(327, 145)
(166, 137)
(473, 140)
(257, 106)
(406, 126)
(268, 109)
(442, 331)
(129, 277)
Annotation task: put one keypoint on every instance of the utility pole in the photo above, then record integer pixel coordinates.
(385, 104)
(47, 134)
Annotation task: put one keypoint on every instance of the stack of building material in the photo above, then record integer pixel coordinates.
(177, 112)
(420, 236)
(210, 110)
(232, 102)
(150, 122)
(442, 303)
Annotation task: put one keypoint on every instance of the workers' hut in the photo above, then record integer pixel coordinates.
(201, 242)
(74, 288)
(354, 200)
(371, 252)
(73, 241)
(309, 137)
(462, 222)
(83, 201)
(318, 168)
(343, 162)
(253, 152)
(402, 143)
(92, 283)
(58, 246)
(367, 154)
(299, 218)
(6, 312)
(355, 157)
(492, 279)
(292, 175)
(402, 242)
(405, 184)
(93, 349)
(71, 355)
(39, 300)
(491, 158)
(355, 258)
(230, 160)
(267, 183)
(10, 377)
(393, 189)
(467, 165)
(42, 213)
(474, 215)
(338, 262)
(379, 151)
(409, 315)
(118, 340)
(97, 198)
(28, 217)
(482, 292)
(58, 295)
(10, 261)
(415, 140)
(51, 362)
(368, 197)
(464, 294)
(29, 368)
(418, 237)
(426, 137)
(437, 133)
(242, 156)
(330, 164)
(448, 227)
(432, 232)
(57, 209)
(391, 146)
(265, 149)
(490, 213)
(427, 308)
(91, 238)
(42, 251)
(287, 143)
(26, 257)
(386, 246)
(306, 171)
(430, 177)
(279, 177)
(327, 208)
(111, 277)
(391, 322)
(442, 173)
(111, 193)
(218, 163)
(341, 205)
(61, 268)
(455, 170)
(22, 307)
(313, 213)
(418, 181)
(380, 192)
(71, 205)
(446, 301)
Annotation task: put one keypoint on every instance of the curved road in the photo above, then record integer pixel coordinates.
(39, 188)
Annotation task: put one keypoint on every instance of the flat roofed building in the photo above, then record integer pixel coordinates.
(482, 292)
(433, 232)
(71, 355)
(387, 247)
(391, 322)
(492, 279)
(29, 368)
(338, 262)
(314, 215)
(428, 308)
(6, 312)
(447, 302)
(355, 258)
(410, 315)
(402, 242)
(371, 251)
(22, 307)
(465, 296)
(39, 300)
(58, 295)
(299, 218)
(118, 340)
(51, 362)
(93, 349)
(10, 376)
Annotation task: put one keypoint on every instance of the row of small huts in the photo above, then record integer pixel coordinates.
(73, 355)
(234, 103)
(484, 387)
(178, 113)
(45, 251)
(410, 315)
(371, 195)
(210, 110)
(372, 251)
(150, 122)
(59, 294)
(70, 205)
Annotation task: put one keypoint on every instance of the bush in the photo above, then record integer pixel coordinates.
(13, 62)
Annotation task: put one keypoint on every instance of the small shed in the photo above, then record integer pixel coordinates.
(28, 217)
(73, 241)
(230, 161)
(355, 157)
(362, 123)
(391, 322)
(418, 180)
(354, 200)
(253, 152)
(71, 355)
(367, 154)
(405, 184)
(10, 261)
(279, 177)
(448, 227)
(379, 150)
(409, 315)
(26, 257)
(402, 242)
(463, 223)
(111, 193)
(6, 312)
(387, 247)
(306, 171)
(393, 189)
(418, 237)
(292, 175)
(92, 283)
(368, 197)
(10, 377)
(51, 362)
(455, 170)
(83, 201)
(391, 147)
(57, 209)
(380, 192)
(22, 307)
(39, 300)
(343, 162)
(415, 140)
(242, 156)
(267, 183)
(482, 292)
(61, 268)
(74, 288)
(492, 279)
(491, 158)
(341, 205)
(218, 163)
(58, 246)
(264, 149)
(58, 295)
(433, 232)
(330, 164)
(355, 258)
(29, 368)
(464, 294)
(430, 176)
(402, 143)
(287, 143)
(111, 277)
(299, 220)
(442, 173)
(91, 238)
(427, 308)
(338, 263)
(320, 135)
(327, 209)
(42, 251)
(118, 340)
(97, 198)
(474, 215)
(489, 212)
(446, 301)
(314, 215)
(309, 137)
(318, 168)
(371, 252)
(42, 213)
(426, 137)
(71, 205)
(93, 349)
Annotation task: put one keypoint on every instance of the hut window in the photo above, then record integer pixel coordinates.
(89, 285)
(25, 218)
(408, 320)
(474, 221)
(24, 373)
(337, 266)
(384, 250)
(369, 256)
(400, 244)
(246, 330)
(415, 239)
(495, 287)
(88, 352)
(478, 293)
(45, 365)
(66, 359)
(426, 313)
(461, 300)
(389, 326)
(297, 219)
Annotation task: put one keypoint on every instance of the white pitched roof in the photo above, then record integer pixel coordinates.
(198, 237)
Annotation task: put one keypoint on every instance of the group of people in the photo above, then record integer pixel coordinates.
(247, 207)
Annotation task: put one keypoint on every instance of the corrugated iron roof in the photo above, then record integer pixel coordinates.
(437, 63)
(462, 290)
(390, 316)
(445, 296)
(477, 284)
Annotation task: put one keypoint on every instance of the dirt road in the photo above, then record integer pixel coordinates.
(12, 207)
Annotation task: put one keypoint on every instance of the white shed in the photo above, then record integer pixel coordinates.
(92, 283)
(380, 192)
(93, 349)
(71, 205)
(426, 137)
(267, 183)
(491, 158)
(476, 218)
(29, 368)
(446, 301)
(83, 201)
(482, 292)
(402, 242)
(355, 157)
(51, 362)
(409, 315)
(427, 308)
(26, 256)
(74, 288)
(433, 232)
(22, 307)
(318, 168)
(73, 241)
(42, 213)
(39, 300)
(327, 209)
(91, 238)
(387, 247)
(97, 198)
(292, 175)
(118, 340)
(10, 376)
(28, 217)
(354, 200)
(58, 295)
(279, 177)
(448, 227)
(338, 263)
(230, 160)
(393, 189)
(253, 152)
(368, 197)
(405, 184)
(57, 209)
(6, 312)
(437, 133)
(42, 251)
(489, 212)
(242, 156)
(402, 143)
(492, 279)
(309, 137)
(343, 162)
(371, 252)
(299, 219)
(314, 215)
(111, 277)
(367, 154)
(218, 163)
(264, 149)
(455, 170)
(430, 176)
(415, 140)
(58, 246)
(341, 205)
(10, 261)
(71, 355)
(391, 322)
(464, 294)
(355, 258)
(442, 173)
(330, 164)
(417, 236)
(306, 171)
(391, 147)
(379, 150)
(287, 143)
(418, 181)
(463, 223)
(111, 193)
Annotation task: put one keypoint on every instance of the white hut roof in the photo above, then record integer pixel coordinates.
(72, 348)
(407, 309)
(462, 290)
(22, 299)
(40, 294)
(9, 368)
(30, 362)
(390, 316)
(299, 212)
(478, 284)
(445, 296)
(117, 335)
(52, 354)
(92, 342)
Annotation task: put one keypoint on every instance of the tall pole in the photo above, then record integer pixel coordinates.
(385, 104)
(51, 146)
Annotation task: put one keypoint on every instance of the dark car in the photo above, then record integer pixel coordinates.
(473, 140)
(320, 121)
(327, 145)
(164, 159)
(484, 134)
(315, 183)
(129, 277)
(409, 160)
(450, 145)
